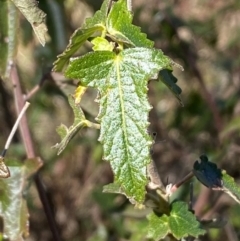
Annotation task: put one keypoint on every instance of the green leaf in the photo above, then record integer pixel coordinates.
(78, 38)
(13, 205)
(182, 222)
(100, 17)
(8, 31)
(230, 187)
(67, 134)
(170, 81)
(35, 16)
(158, 227)
(102, 44)
(120, 28)
(92, 25)
(122, 83)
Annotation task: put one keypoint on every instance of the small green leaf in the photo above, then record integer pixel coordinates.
(120, 28)
(182, 222)
(158, 227)
(13, 205)
(230, 187)
(101, 44)
(35, 16)
(67, 134)
(95, 24)
(78, 38)
(170, 81)
(122, 83)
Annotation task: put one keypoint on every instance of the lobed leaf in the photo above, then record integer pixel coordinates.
(122, 83)
(180, 223)
(117, 24)
(35, 16)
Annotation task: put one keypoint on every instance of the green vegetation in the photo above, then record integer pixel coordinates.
(112, 87)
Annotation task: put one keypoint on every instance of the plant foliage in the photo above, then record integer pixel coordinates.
(120, 68)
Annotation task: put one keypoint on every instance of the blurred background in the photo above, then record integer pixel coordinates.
(201, 35)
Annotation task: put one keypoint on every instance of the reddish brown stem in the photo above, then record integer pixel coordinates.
(181, 182)
(28, 143)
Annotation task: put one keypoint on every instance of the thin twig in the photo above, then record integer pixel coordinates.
(19, 103)
(28, 143)
(181, 182)
(9, 140)
(36, 88)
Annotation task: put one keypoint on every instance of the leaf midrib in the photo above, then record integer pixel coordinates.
(118, 60)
